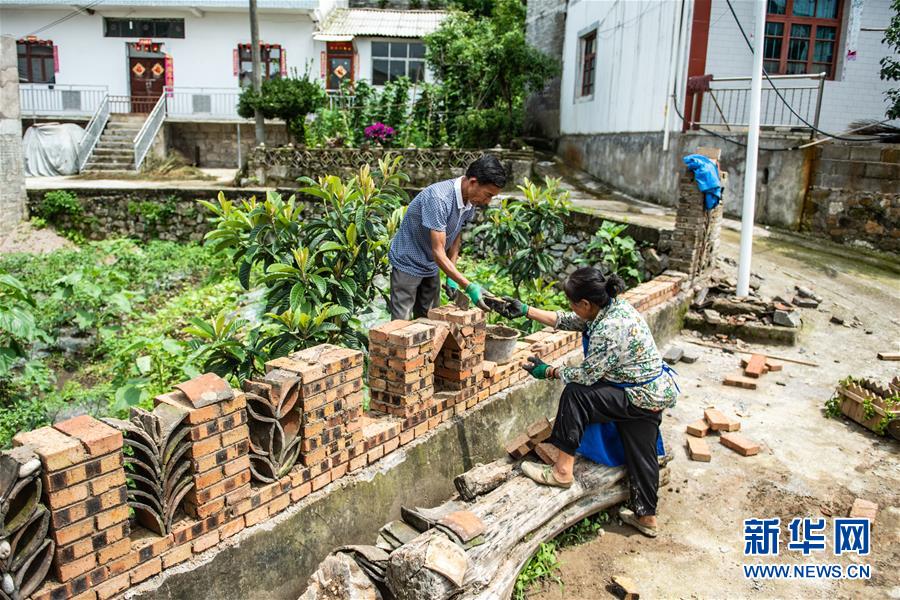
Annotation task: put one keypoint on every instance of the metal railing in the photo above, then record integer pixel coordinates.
(59, 100)
(145, 136)
(726, 102)
(92, 133)
(197, 103)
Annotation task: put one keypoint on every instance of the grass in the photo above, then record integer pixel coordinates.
(543, 567)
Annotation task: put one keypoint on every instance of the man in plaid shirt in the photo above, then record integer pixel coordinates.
(429, 238)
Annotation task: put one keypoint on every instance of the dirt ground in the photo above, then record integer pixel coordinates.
(809, 465)
(25, 238)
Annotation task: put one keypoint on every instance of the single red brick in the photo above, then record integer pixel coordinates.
(547, 453)
(698, 449)
(231, 528)
(68, 496)
(739, 381)
(719, 422)
(321, 481)
(406, 436)
(205, 541)
(421, 429)
(113, 551)
(97, 437)
(104, 483)
(56, 450)
(698, 428)
(279, 504)
(112, 587)
(112, 517)
(739, 444)
(146, 570)
(301, 491)
(519, 446)
(176, 555)
(381, 333)
(79, 530)
(257, 515)
(67, 571)
(88, 595)
(391, 445)
(773, 365)
(375, 453)
(756, 366)
(863, 509)
(123, 564)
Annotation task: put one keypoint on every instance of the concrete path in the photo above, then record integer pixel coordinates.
(810, 466)
(223, 178)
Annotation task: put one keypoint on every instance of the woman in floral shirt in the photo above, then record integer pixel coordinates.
(623, 380)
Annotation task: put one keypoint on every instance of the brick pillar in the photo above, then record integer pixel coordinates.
(401, 370)
(457, 366)
(217, 417)
(12, 163)
(695, 241)
(328, 384)
(84, 487)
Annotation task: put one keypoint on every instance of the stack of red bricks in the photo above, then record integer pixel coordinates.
(401, 371)
(654, 292)
(217, 417)
(457, 366)
(330, 404)
(84, 487)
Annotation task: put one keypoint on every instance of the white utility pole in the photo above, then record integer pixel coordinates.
(749, 208)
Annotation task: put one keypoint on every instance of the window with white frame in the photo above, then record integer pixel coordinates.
(392, 60)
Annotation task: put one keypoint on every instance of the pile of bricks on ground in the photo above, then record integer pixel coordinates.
(751, 370)
(421, 374)
(727, 427)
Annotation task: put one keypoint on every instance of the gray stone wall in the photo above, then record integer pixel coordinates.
(855, 195)
(545, 28)
(284, 165)
(636, 164)
(215, 145)
(12, 164)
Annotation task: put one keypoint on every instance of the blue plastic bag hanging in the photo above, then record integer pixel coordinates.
(706, 174)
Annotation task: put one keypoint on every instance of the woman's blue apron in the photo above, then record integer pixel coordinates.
(601, 442)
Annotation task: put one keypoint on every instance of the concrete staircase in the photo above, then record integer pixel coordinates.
(115, 149)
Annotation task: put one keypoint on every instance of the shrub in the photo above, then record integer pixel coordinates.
(59, 203)
(616, 252)
(289, 99)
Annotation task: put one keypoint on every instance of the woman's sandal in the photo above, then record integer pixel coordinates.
(628, 517)
(543, 474)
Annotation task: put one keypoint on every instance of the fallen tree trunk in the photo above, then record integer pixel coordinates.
(520, 514)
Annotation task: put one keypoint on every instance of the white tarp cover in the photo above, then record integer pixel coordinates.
(52, 149)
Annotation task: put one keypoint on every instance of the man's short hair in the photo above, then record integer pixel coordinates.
(488, 171)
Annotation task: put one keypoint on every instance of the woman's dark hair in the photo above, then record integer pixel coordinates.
(488, 171)
(588, 283)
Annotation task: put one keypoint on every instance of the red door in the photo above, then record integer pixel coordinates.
(340, 64)
(148, 81)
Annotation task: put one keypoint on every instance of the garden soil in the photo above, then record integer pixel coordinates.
(25, 238)
(809, 465)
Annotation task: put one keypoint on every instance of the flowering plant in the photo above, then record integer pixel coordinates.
(379, 132)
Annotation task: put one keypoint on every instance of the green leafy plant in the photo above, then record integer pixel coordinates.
(890, 65)
(287, 98)
(59, 203)
(520, 232)
(18, 328)
(488, 47)
(617, 252)
(318, 272)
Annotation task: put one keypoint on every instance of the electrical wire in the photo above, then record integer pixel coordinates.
(66, 17)
(783, 99)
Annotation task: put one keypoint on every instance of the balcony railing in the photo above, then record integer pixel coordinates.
(195, 103)
(59, 100)
(725, 102)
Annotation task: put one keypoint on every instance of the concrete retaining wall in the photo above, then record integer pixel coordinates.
(636, 164)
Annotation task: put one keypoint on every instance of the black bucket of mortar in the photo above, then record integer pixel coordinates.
(500, 343)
